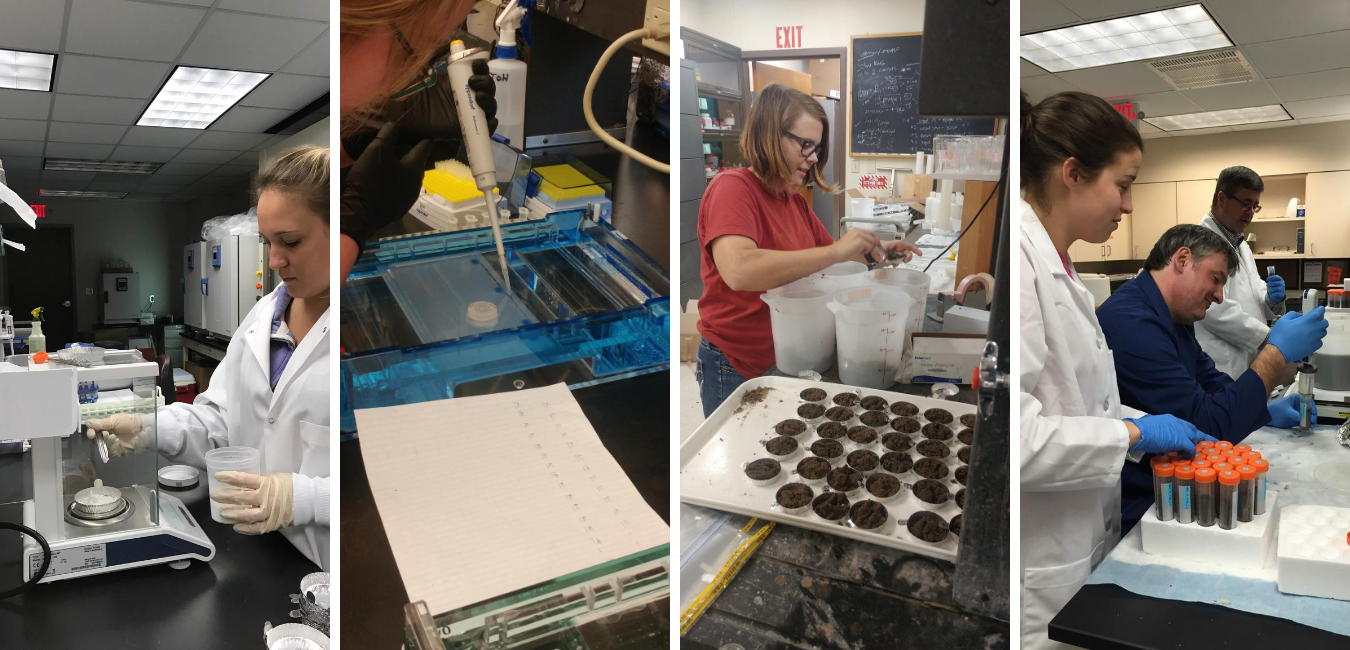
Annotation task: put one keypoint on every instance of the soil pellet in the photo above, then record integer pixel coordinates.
(897, 462)
(790, 428)
(846, 399)
(874, 419)
(905, 425)
(964, 455)
(762, 469)
(844, 479)
(810, 411)
(968, 420)
(933, 449)
(961, 499)
(896, 442)
(904, 409)
(883, 486)
(862, 435)
(874, 403)
(863, 460)
(831, 505)
(868, 515)
(938, 415)
(812, 395)
(926, 526)
(935, 431)
(831, 430)
(930, 491)
(955, 525)
(795, 495)
(826, 448)
(931, 468)
(813, 468)
(966, 436)
(781, 446)
(962, 474)
(839, 414)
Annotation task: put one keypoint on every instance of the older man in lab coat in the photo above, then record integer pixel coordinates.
(1233, 330)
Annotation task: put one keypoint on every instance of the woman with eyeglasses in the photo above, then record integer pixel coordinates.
(757, 233)
(389, 130)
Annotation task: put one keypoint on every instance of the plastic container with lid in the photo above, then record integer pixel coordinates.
(1229, 480)
(1200, 462)
(1221, 466)
(870, 324)
(1246, 492)
(1185, 493)
(1205, 495)
(1164, 480)
(1262, 468)
(229, 459)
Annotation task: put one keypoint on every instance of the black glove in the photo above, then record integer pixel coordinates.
(383, 184)
(430, 115)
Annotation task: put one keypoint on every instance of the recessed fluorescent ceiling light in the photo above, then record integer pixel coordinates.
(194, 97)
(1132, 38)
(1252, 115)
(79, 194)
(26, 70)
(104, 166)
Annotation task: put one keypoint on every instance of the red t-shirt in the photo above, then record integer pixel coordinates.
(737, 203)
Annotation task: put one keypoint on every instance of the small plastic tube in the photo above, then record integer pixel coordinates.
(1262, 468)
(1242, 448)
(1223, 445)
(1184, 504)
(1205, 494)
(1163, 482)
(1246, 492)
(1221, 466)
(1200, 463)
(1228, 499)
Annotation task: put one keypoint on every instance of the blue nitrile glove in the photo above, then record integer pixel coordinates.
(1275, 289)
(1159, 434)
(1285, 412)
(1299, 335)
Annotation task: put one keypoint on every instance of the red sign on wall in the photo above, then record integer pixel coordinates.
(1128, 110)
(785, 37)
(39, 210)
(873, 182)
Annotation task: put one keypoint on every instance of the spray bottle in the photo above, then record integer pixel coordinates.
(37, 341)
(477, 140)
(509, 73)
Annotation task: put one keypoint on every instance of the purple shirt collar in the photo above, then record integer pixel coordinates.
(283, 342)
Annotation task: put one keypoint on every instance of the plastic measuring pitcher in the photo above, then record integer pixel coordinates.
(844, 274)
(803, 327)
(913, 283)
(1333, 359)
(229, 459)
(869, 330)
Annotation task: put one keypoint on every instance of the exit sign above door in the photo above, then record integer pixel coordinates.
(788, 37)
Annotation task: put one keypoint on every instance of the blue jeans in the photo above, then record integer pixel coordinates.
(717, 380)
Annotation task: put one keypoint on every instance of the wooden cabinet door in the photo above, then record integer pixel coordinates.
(1118, 245)
(1327, 231)
(1082, 251)
(1155, 211)
(1193, 199)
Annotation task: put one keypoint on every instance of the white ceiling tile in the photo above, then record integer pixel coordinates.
(1160, 104)
(21, 163)
(78, 150)
(248, 157)
(26, 189)
(134, 179)
(1095, 9)
(1312, 85)
(66, 180)
(1265, 125)
(25, 104)
(113, 186)
(196, 3)
(1254, 21)
(131, 30)
(154, 136)
(1213, 129)
(96, 110)
(145, 197)
(145, 154)
(246, 119)
(208, 156)
(151, 188)
(230, 141)
(12, 175)
(1322, 107)
(1030, 69)
(1040, 14)
(161, 178)
(90, 133)
(286, 91)
(247, 42)
(185, 169)
(1300, 55)
(313, 60)
(1120, 80)
(110, 77)
(20, 148)
(1323, 120)
(23, 130)
(31, 25)
(312, 9)
(1038, 88)
(1217, 98)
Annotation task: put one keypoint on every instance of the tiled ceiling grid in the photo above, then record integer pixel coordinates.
(1300, 51)
(114, 55)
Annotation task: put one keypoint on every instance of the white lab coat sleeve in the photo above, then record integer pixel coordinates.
(1131, 413)
(188, 431)
(1228, 322)
(311, 500)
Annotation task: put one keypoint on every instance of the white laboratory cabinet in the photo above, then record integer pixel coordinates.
(234, 277)
(194, 290)
(121, 298)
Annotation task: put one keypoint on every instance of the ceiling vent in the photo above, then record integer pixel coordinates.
(1204, 69)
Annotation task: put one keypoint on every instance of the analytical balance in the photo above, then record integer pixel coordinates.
(95, 513)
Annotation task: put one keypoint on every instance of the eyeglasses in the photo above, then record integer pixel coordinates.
(1248, 205)
(438, 69)
(808, 147)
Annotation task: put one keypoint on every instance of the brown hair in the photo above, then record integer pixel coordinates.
(776, 109)
(1072, 125)
(425, 25)
(301, 172)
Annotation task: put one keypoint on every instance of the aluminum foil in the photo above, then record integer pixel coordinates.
(1343, 434)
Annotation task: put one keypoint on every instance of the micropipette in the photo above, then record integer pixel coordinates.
(477, 139)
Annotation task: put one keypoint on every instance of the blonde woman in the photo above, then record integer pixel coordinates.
(758, 233)
(386, 47)
(271, 392)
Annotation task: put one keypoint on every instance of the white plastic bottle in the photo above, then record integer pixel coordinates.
(37, 341)
(509, 73)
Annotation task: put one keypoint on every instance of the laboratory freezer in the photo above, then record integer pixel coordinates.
(194, 290)
(122, 300)
(234, 277)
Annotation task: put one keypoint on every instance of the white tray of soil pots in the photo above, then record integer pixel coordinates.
(713, 460)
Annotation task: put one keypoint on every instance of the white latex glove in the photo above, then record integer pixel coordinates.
(121, 433)
(256, 503)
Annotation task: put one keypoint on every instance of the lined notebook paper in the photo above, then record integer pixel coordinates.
(481, 496)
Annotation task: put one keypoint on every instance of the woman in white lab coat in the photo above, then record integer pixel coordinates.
(272, 390)
(1079, 159)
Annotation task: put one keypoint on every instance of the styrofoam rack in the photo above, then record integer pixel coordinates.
(712, 460)
(1313, 552)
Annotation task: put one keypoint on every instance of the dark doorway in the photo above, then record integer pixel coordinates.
(44, 276)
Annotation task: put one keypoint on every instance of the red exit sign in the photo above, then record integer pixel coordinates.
(39, 210)
(1127, 109)
(785, 37)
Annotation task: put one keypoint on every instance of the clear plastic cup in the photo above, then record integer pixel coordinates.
(229, 459)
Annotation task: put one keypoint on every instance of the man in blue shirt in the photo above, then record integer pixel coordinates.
(1160, 368)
